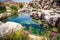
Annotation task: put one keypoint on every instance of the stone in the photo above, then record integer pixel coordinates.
(9, 27)
(1, 22)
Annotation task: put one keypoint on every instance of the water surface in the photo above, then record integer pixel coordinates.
(26, 21)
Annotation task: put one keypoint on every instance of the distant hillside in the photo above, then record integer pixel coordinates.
(8, 1)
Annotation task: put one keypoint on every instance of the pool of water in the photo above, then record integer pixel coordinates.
(26, 21)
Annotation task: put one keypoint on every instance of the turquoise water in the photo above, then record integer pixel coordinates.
(28, 23)
(22, 19)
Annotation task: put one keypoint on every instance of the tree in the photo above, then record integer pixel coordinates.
(21, 5)
(2, 9)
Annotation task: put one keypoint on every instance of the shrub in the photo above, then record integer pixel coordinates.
(21, 5)
(33, 6)
(14, 10)
(2, 9)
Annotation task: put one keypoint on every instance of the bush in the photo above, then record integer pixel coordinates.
(33, 6)
(2, 9)
(21, 5)
(14, 10)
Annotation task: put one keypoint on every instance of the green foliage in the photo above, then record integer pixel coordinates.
(14, 10)
(21, 5)
(47, 34)
(30, 29)
(2, 9)
(55, 29)
(18, 35)
(33, 6)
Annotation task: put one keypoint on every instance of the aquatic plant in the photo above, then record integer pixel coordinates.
(30, 29)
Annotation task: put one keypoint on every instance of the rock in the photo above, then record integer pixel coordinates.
(9, 27)
(34, 37)
(1, 15)
(1, 22)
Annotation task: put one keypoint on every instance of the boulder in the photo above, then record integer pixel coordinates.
(1, 22)
(9, 27)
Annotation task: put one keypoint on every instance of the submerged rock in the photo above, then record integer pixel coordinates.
(9, 27)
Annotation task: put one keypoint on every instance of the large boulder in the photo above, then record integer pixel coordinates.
(9, 27)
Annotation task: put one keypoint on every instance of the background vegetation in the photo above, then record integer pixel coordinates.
(14, 10)
(21, 5)
(2, 9)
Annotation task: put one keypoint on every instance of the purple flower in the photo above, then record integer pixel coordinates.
(53, 34)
